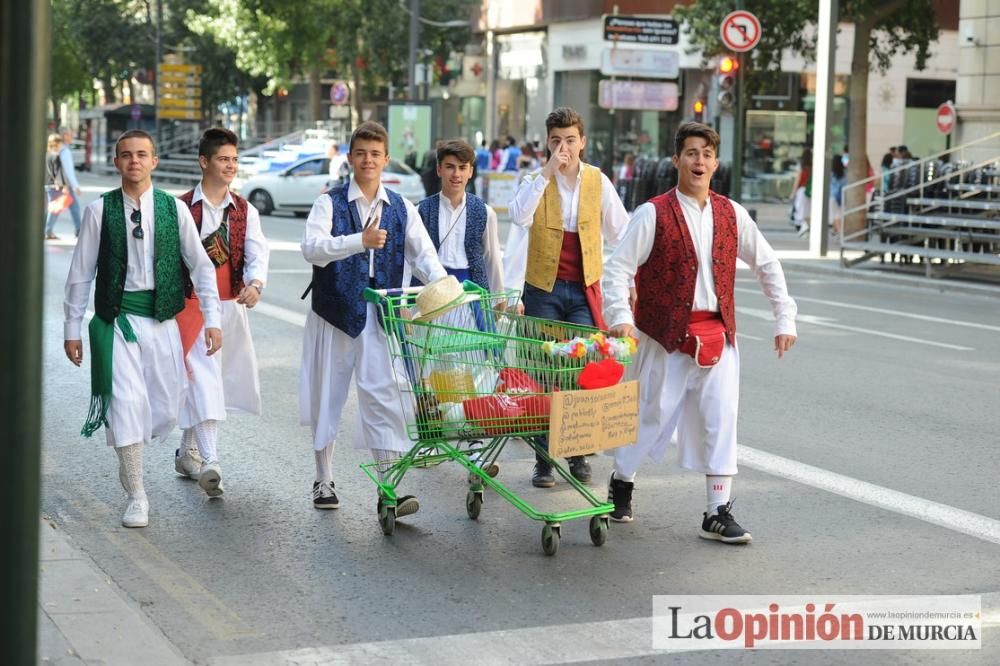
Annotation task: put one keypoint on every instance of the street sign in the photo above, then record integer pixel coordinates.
(136, 112)
(179, 114)
(640, 62)
(182, 69)
(339, 93)
(180, 102)
(179, 78)
(638, 95)
(641, 30)
(740, 31)
(179, 91)
(945, 118)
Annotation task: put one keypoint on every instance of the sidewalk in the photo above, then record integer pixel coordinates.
(84, 618)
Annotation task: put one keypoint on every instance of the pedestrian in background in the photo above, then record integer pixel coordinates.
(681, 249)
(135, 242)
(69, 173)
(229, 228)
(55, 183)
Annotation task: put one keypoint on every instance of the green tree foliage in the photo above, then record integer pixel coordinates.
(69, 76)
(883, 31)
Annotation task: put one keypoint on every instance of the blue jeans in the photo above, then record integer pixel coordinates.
(566, 302)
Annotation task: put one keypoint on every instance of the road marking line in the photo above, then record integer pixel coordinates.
(935, 513)
(895, 313)
(749, 337)
(558, 644)
(198, 602)
(289, 271)
(281, 314)
(825, 322)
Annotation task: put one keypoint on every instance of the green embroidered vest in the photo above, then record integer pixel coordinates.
(112, 258)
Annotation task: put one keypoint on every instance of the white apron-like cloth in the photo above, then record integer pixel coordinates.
(148, 382)
(701, 403)
(224, 381)
(330, 358)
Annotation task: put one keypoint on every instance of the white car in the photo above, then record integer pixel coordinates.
(297, 187)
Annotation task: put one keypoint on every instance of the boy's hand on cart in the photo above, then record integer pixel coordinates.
(373, 238)
(503, 306)
(623, 331)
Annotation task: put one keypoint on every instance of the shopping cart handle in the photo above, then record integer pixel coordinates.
(469, 285)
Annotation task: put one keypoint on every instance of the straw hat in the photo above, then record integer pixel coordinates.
(439, 297)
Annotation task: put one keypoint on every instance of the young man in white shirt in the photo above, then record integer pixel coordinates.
(562, 215)
(681, 248)
(229, 228)
(358, 235)
(134, 241)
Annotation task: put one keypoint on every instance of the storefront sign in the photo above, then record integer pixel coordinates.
(640, 62)
(638, 95)
(641, 30)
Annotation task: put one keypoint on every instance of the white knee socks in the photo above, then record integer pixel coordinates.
(385, 458)
(206, 434)
(130, 470)
(719, 490)
(324, 463)
(189, 447)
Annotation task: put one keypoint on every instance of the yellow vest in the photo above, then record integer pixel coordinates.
(546, 235)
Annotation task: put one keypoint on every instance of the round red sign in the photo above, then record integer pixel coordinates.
(740, 31)
(945, 118)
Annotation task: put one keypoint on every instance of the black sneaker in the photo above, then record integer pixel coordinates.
(323, 495)
(721, 526)
(580, 469)
(406, 505)
(542, 477)
(620, 494)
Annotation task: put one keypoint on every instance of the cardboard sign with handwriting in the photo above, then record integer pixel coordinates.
(582, 422)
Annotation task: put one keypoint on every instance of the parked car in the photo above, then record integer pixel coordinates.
(297, 187)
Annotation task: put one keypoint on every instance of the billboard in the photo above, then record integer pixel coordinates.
(410, 130)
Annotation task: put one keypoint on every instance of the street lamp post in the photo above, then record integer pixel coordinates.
(414, 43)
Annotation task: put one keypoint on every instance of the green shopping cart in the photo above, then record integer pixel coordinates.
(477, 372)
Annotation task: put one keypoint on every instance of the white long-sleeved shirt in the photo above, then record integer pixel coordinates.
(256, 251)
(614, 218)
(139, 273)
(319, 247)
(752, 248)
(451, 234)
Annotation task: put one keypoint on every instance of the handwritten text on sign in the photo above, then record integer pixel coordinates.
(587, 421)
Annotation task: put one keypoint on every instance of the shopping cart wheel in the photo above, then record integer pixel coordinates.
(550, 539)
(387, 519)
(599, 530)
(474, 503)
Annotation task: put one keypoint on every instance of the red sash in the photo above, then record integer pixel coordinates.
(190, 321)
(571, 270)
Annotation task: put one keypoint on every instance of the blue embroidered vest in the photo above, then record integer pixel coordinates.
(475, 227)
(337, 287)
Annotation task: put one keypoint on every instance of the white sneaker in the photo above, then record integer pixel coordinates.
(187, 464)
(136, 512)
(210, 479)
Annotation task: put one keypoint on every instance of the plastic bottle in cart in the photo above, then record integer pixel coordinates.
(452, 384)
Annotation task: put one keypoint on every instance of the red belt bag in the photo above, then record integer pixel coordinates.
(706, 338)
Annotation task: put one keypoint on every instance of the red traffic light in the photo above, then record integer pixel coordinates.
(698, 109)
(728, 65)
(699, 106)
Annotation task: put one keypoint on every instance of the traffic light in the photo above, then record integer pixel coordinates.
(726, 79)
(699, 110)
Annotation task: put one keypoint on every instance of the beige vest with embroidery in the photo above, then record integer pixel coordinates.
(546, 234)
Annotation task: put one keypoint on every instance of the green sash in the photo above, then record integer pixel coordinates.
(102, 339)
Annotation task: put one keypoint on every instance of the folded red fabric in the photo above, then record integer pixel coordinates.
(601, 374)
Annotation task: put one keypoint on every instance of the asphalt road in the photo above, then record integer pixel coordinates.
(869, 466)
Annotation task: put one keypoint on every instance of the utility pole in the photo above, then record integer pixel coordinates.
(411, 90)
(826, 48)
(24, 85)
(159, 59)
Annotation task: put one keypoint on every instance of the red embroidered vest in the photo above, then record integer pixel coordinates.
(666, 282)
(237, 239)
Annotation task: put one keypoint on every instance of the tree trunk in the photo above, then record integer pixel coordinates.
(109, 90)
(858, 134)
(55, 114)
(315, 90)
